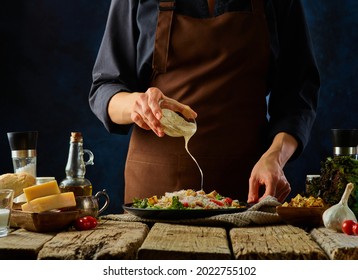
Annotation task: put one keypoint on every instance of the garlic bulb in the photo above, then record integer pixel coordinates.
(334, 216)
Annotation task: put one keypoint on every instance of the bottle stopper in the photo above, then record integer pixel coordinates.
(76, 137)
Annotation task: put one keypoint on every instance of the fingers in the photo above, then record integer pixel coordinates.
(281, 190)
(276, 188)
(137, 118)
(176, 106)
(254, 188)
(154, 95)
(270, 189)
(147, 113)
(148, 110)
(253, 195)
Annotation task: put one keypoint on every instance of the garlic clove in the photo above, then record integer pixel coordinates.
(334, 216)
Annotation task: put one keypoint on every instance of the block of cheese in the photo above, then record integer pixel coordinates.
(45, 189)
(50, 202)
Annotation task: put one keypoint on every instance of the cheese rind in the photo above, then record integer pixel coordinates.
(50, 202)
(41, 190)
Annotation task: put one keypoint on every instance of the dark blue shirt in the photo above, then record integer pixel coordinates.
(124, 61)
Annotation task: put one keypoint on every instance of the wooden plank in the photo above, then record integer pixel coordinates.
(273, 243)
(338, 246)
(109, 240)
(168, 241)
(22, 244)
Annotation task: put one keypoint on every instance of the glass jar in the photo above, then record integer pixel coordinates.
(310, 180)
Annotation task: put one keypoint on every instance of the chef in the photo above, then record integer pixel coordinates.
(244, 69)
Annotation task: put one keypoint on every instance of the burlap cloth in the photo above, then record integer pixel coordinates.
(262, 213)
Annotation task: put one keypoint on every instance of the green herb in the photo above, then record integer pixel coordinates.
(336, 173)
(176, 204)
(144, 204)
(140, 203)
(219, 197)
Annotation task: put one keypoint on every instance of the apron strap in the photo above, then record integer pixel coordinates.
(162, 37)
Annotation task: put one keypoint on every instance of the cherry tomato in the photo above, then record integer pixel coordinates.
(227, 201)
(217, 202)
(85, 223)
(355, 229)
(185, 204)
(347, 226)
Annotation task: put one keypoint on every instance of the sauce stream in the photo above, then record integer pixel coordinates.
(176, 126)
(187, 138)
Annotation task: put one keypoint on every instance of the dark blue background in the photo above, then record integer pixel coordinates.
(48, 48)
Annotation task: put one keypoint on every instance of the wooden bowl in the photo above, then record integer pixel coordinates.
(49, 221)
(306, 217)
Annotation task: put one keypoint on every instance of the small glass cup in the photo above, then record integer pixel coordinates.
(6, 201)
(311, 179)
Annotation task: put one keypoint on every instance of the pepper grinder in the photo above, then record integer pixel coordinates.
(345, 142)
(23, 151)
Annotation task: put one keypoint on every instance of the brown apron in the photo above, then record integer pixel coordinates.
(218, 66)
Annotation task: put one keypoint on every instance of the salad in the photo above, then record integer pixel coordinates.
(188, 199)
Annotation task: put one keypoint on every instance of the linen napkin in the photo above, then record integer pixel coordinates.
(262, 213)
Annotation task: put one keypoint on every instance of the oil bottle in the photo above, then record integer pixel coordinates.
(75, 180)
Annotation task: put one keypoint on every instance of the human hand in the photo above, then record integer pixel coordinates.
(268, 173)
(147, 111)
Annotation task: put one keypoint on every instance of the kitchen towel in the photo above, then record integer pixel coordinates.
(262, 213)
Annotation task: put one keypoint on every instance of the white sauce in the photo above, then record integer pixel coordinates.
(176, 126)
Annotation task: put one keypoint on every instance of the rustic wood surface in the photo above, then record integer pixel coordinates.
(338, 246)
(273, 243)
(23, 245)
(131, 240)
(168, 241)
(110, 240)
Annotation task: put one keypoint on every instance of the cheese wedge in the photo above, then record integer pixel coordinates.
(45, 189)
(50, 202)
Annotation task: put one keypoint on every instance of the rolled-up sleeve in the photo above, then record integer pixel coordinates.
(115, 66)
(295, 81)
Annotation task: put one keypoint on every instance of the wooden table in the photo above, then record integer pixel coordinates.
(134, 240)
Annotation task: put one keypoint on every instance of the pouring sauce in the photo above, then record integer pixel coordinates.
(176, 126)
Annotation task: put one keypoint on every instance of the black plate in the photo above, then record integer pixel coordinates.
(174, 214)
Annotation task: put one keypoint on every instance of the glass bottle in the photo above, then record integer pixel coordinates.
(75, 180)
